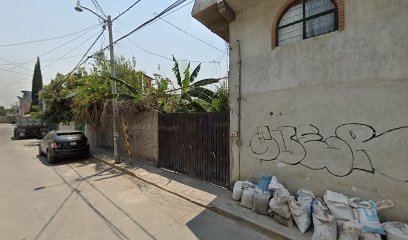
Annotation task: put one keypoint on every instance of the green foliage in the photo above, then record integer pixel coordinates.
(82, 95)
(194, 97)
(220, 102)
(37, 83)
(3, 111)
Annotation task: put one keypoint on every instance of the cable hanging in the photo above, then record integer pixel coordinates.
(49, 39)
(131, 6)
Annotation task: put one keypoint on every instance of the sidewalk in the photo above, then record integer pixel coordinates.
(209, 196)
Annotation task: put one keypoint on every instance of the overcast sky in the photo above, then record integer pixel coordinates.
(31, 20)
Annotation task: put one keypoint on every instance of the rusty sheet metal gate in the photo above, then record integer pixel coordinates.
(196, 144)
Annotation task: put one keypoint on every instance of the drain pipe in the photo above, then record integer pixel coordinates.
(239, 141)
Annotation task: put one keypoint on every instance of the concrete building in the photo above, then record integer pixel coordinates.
(318, 93)
(24, 103)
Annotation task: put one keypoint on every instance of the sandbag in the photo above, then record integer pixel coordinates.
(247, 197)
(325, 226)
(279, 204)
(260, 201)
(370, 236)
(264, 182)
(275, 185)
(239, 188)
(369, 219)
(339, 205)
(396, 230)
(288, 222)
(306, 197)
(349, 230)
(299, 214)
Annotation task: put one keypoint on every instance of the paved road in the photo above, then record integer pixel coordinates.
(83, 199)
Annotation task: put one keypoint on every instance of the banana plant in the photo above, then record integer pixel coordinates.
(193, 94)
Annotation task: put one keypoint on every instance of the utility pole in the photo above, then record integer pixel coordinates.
(114, 99)
(115, 117)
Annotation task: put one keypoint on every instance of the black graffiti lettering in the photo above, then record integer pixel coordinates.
(354, 146)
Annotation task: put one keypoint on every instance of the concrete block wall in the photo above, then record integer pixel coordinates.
(143, 137)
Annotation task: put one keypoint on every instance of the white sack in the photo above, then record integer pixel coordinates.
(339, 205)
(369, 219)
(275, 185)
(288, 222)
(239, 188)
(279, 204)
(247, 197)
(370, 236)
(299, 214)
(325, 226)
(306, 197)
(350, 230)
(237, 191)
(260, 202)
(396, 230)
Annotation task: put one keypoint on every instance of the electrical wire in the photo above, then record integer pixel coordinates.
(48, 39)
(98, 7)
(86, 53)
(130, 7)
(161, 56)
(48, 52)
(168, 9)
(191, 35)
(70, 51)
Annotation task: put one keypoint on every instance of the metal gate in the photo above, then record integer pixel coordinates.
(196, 144)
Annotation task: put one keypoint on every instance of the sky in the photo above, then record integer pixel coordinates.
(42, 19)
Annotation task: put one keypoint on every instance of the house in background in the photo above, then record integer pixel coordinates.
(24, 103)
(318, 93)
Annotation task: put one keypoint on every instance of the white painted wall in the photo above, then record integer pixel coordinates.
(330, 112)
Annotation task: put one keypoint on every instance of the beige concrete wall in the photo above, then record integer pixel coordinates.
(143, 137)
(329, 112)
(4, 119)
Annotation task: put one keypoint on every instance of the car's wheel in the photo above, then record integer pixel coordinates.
(40, 152)
(50, 158)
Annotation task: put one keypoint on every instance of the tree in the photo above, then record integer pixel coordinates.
(220, 102)
(37, 83)
(3, 111)
(194, 96)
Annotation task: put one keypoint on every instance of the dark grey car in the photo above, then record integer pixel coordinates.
(63, 144)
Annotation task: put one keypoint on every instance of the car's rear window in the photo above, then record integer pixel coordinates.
(69, 135)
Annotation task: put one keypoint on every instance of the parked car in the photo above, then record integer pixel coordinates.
(27, 127)
(63, 144)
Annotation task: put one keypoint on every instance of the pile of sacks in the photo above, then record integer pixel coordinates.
(335, 217)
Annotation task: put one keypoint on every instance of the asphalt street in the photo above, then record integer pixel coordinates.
(85, 199)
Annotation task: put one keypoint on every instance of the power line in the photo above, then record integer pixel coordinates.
(168, 9)
(48, 52)
(70, 51)
(130, 7)
(48, 39)
(164, 57)
(98, 7)
(86, 53)
(191, 35)
(44, 60)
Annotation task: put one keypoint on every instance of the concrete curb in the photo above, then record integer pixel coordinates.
(212, 208)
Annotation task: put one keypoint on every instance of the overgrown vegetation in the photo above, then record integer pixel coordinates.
(85, 97)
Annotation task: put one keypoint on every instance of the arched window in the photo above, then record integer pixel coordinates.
(306, 19)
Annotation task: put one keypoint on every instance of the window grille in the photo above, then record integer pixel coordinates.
(307, 19)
